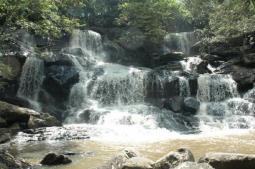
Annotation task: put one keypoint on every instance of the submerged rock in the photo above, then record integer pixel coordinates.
(191, 105)
(138, 163)
(7, 161)
(229, 161)
(54, 159)
(192, 165)
(173, 159)
(119, 160)
(174, 104)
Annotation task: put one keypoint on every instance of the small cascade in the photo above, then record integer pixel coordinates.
(90, 43)
(184, 86)
(179, 42)
(216, 87)
(190, 65)
(31, 79)
(118, 85)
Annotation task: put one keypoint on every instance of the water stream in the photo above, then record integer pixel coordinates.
(110, 104)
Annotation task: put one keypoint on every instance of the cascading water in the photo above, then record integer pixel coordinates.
(113, 95)
(112, 98)
(216, 87)
(31, 78)
(32, 74)
(179, 42)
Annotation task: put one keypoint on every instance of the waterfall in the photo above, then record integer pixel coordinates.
(31, 80)
(216, 87)
(179, 42)
(119, 98)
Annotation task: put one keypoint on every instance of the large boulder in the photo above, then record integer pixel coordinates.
(60, 79)
(138, 163)
(174, 104)
(7, 161)
(191, 105)
(54, 159)
(244, 76)
(23, 118)
(168, 58)
(192, 165)
(229, 161)
(119, 160)
(173, 159)
(249, 59)
(161, 83)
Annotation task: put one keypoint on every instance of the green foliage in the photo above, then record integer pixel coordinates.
(43, 17)
(200, 11)
(101, 13)
(232, 18)
(154, 18)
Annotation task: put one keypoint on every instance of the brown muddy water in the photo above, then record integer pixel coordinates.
(93, 153)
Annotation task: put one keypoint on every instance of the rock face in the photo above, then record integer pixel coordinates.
(59, 80)
(192, 165)
(119, 160)
(7, 161)
(138, 163)
(173, 159)
(24, 118)
(229, 161)
(54, 159)
(174, 104)
(191, 105)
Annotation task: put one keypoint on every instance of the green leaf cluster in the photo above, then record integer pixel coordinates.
(47, 18)
(153, 17)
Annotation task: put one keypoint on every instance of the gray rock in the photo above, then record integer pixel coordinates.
(191, 105)
(138, 163)
(19, 118)
(192, 165)
(7, 161)
(3, 123)
(5, 137)
(175, 104)
(54, 159)
(119, 160)
(174, 159)
(229, 161)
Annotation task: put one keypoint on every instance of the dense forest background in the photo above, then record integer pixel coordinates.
(126, 22)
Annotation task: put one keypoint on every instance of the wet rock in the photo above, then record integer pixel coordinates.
(3, 123)
(44, 120)
(16, 101)
(4, 137)
(250, 95)
(244, 76)
(191, 105)
(192, 165)
(119, 160)
(54, 159)
(174, 104)
(7, 161)
(229, 161)
(162, 83)
(59, 80)
(21, 118)
(202, 68)
(168, 58)
(138, 163)
(249, 59)
(174, 159)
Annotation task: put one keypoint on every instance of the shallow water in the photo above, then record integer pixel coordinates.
(93, 153)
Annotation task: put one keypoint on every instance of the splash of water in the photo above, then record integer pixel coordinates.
(216, 87)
